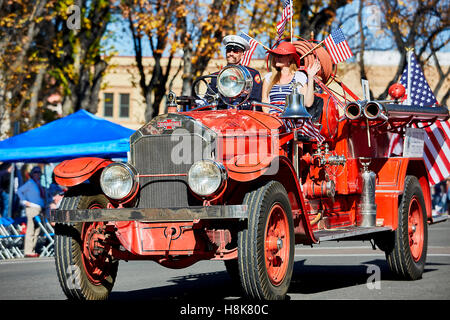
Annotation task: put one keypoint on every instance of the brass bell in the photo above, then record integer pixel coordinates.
(295, 107)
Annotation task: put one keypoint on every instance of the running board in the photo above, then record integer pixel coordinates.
(347, 232)
(439, 218)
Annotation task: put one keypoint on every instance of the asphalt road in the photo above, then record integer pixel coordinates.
(331, 270)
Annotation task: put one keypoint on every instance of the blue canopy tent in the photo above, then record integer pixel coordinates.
(80, 134)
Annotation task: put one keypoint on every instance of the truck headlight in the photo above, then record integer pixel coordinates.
(118, 180)
(234, 80)
(205, 177)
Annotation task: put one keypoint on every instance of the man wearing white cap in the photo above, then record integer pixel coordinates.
(32, 195)
(235, 46)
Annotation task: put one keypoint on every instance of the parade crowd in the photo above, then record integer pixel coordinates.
(33, 195)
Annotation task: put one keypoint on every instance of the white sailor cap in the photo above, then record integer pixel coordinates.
(234, 40)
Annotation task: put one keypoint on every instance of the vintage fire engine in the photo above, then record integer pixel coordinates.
(245, 187)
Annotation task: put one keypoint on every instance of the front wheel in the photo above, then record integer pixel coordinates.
(406, 247)
(85, 270)
(266, 247)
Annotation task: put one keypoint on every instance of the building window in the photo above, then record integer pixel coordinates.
(108, 106)
(124, 108)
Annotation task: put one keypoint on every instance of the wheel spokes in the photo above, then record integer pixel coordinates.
(415, 229)
(276, 245)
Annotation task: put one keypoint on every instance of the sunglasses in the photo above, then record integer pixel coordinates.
(234, 49)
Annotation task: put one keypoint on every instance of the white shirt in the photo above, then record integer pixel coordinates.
(30, 192)
(299, 77)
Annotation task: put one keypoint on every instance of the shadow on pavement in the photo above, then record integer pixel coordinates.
(306, 279)
(201, 287)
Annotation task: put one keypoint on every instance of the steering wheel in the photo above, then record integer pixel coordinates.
(210, 93)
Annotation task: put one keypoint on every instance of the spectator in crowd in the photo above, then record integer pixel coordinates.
(5, 174)
(32, 196)
(441, 197)
(55, 193)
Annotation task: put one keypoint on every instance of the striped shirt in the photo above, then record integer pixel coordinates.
(278, 92)
(277, 95)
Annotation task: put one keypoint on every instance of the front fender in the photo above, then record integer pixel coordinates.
(70, 173)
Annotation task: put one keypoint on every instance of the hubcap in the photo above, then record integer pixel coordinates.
(94, 257)
(415, 229)
(276, 247)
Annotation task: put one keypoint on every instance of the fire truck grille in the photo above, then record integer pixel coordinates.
(158, 155)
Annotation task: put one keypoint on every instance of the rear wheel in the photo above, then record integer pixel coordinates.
(406, 247)
(85, 270)
(266, 247)
(233, 270)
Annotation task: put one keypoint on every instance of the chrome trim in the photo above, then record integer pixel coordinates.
(133, 173)
(223, 177)
(150, 214)
(247, 86)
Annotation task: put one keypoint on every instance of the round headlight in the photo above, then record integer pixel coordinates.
(117, 180)
(233, 81)
(206, 177)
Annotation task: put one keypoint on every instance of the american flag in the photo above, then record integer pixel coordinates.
(337, 46)
(245, 61)
(310, 130)
(437, 142)
(305, 127)
(285, 16)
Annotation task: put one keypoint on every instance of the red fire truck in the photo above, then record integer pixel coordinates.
(245, 187)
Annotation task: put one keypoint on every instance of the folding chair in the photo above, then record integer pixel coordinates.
(11, 241)
(5, 252)
(49, 233)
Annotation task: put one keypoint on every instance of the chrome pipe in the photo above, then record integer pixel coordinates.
(353, 110)
(374, 110)
(367, 207)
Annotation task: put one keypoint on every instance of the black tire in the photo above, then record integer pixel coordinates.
(233, 270)
(73, 276)
(406, 247)
(263, 274)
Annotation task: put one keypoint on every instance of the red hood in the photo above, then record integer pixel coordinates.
(226, 122)
(247, 150)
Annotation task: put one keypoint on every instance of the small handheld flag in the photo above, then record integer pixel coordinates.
(285, 16)
(337, 46)
(249, 53)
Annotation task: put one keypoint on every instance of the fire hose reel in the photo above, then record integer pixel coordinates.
(315, 189)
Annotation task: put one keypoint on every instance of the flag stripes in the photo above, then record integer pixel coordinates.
(310, 130)
(435, 150)
(285, 16)
(337, 46)
(245, 61)
(437, 142)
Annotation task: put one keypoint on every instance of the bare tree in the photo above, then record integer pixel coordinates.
(166, 27)
(420, 25)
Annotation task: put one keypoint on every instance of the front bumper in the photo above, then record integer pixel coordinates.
(150, 214)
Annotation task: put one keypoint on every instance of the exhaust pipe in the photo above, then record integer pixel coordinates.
(374, 110)
(353, 110)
